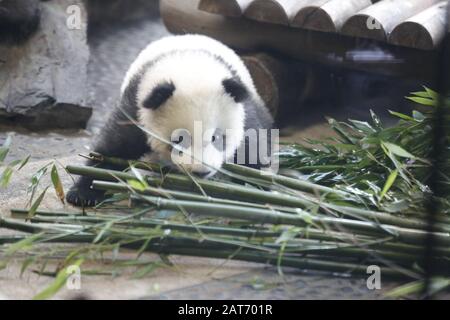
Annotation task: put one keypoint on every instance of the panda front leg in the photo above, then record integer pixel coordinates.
(118, 138)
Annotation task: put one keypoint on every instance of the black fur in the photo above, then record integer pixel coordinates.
(257, 117)
(235, 89)
(120, 138)
(159, 95)
(19, 19)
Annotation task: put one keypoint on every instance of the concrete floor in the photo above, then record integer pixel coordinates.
(190, 278)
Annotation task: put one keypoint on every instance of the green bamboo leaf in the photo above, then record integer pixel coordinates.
(422, 101)
(165, 259)
(35, 180)
(288, 235)
(363, 126)
(57, 284)
(6, 177)
(138, 185)
(376, 120)
(337, 127)
(397, 150)
(26, 264)
(14, 163)
(138, 175)
(421, 94)
(431, 93)
(24, 162)
(407, 289)
(4, 149)
(8, 172)
(438, 284)
(416, 287)
(57, 185)
(36, 204)
(22, 244)
(418, 116)
(402, 116)
(103, 231)
(389, 183)
(146, 270)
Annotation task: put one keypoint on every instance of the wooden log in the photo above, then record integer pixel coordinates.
(326, 15)
(282, 83)
(181, 17)
(269, 75)
(271, 11)
(228, 8)
(378, 21)
(424, 31)
(264, 70)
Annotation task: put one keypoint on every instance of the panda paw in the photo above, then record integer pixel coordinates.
(84, 197)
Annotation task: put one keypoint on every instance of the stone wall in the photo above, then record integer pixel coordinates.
(43, 79)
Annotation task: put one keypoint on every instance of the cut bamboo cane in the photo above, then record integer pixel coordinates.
(302, 219)
(212, 187)
(207, 249)
(237, 192)
(322, 236)
(383, 217)
(296, 184)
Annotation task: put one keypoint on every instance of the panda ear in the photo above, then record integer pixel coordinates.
(235, 89)
(160, 94)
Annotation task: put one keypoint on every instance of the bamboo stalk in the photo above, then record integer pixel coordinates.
(300, 263)
(309, 233)
(403, 234)
(26, 227)
(95, 156)
(118, 187)
(23, 214)
(292, 183)
(11, 239)
(302, 219)
(147, 223)
(382, 217)
(340, 250)
(244, 171)
(242, 193)
(207, 249)
(215, 188)
(299, 246)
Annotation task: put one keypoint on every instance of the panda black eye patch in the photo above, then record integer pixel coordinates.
(160, 94)
(235, 89)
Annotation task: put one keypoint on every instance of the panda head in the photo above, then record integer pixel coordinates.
(198, 107)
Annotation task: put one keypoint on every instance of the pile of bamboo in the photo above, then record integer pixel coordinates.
(288, 225)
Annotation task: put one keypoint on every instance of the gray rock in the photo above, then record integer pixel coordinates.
(18, 20)
(106, 11)
(43, 81)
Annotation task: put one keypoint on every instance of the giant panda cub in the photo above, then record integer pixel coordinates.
(180, 84)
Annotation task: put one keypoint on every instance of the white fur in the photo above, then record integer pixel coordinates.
(199, 98)
(195, 42)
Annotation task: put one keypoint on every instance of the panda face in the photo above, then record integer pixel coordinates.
(200, 113)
